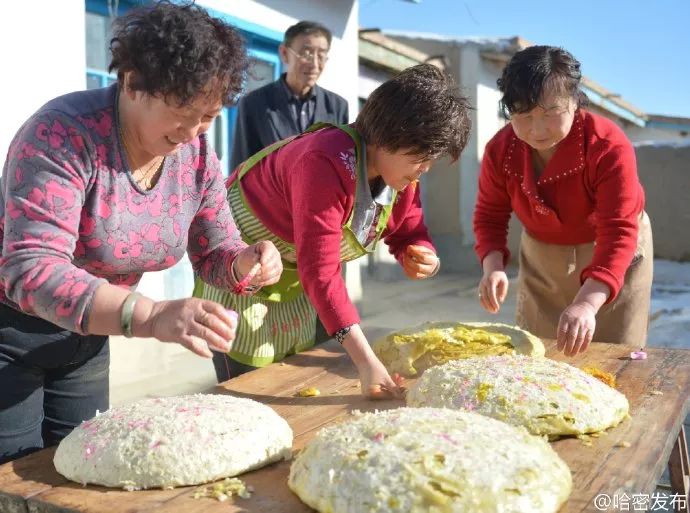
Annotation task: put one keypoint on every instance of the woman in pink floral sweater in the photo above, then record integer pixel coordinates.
(99, 187)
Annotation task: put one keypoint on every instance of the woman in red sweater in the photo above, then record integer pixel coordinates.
(570, 177)
(327, 197)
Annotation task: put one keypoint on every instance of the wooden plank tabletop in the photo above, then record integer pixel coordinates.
(658, 390)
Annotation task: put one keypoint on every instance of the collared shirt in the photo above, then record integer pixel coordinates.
(301, 108)
(368, 208)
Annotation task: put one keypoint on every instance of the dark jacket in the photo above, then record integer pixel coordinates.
(263, 117)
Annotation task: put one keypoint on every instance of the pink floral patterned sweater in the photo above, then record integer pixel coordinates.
(72, 217)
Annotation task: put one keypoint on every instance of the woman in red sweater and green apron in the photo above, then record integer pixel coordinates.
(327, 197)
(570, 176)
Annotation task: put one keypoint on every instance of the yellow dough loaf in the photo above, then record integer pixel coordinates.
(413, 350)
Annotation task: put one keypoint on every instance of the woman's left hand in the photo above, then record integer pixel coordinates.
(576, 328)
(419, 262)
(267, 256)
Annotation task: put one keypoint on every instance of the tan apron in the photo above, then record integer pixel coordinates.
(549, 279)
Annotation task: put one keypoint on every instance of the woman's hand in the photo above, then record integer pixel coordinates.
(577, 323)
(374, 379)
(267, 256)
(576, 328)
(419, 262)
(199, 325)
(376, 383)
(493, 287)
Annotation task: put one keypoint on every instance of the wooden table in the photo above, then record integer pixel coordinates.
(658, 390)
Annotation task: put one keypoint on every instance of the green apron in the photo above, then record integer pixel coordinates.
(279, 319)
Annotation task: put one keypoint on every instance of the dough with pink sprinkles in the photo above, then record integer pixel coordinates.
(174, 441)
(545, 396)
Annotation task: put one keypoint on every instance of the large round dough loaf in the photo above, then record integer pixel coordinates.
(174, 441)
(543, 395)
(429, 460)
(413, 350)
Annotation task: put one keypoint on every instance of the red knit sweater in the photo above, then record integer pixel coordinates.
(304, 193)
(589, 191)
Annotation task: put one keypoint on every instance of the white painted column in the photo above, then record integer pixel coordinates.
(43, 57)
(469, 71)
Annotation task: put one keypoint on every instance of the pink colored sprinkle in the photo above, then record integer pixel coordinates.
(156, 444)
(89, 427)
(638, 355)
(447, 438)
(378, 437)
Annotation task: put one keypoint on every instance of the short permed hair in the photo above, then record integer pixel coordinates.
(420, 110)
(306, 28)
(535, 70)
(178, 52)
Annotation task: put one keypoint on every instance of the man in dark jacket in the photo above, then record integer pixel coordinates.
(292, 103)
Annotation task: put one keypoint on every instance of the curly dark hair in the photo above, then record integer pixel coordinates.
(534, 70)
(419, 110)
(179, 52)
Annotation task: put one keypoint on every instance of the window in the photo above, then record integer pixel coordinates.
(264, 68)
(98, 35)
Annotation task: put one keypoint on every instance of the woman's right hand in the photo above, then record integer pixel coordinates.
(493, 288)
(376, 383)
(199, 325)
(374, 379)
